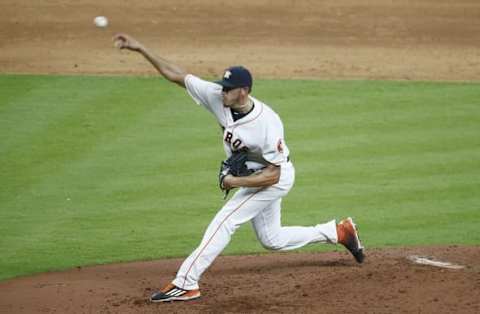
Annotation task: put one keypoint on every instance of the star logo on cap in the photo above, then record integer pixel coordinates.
(227, 75)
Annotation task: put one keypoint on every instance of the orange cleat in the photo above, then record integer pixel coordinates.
(347, 234)
(174, 293)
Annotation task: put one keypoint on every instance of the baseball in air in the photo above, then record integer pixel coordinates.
(101, 21)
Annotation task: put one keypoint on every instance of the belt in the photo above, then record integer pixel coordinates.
(288, 158)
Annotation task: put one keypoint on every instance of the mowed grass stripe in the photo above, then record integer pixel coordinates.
(74, 189)
(391, 143)
(96, 170)
(406, 162)
(61, 119)
(389, 117)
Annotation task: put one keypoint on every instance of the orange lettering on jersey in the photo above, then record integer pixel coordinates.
(228, 137)
(280, 146)
(236, 144)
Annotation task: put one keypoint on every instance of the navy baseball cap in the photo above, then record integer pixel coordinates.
(235, 77)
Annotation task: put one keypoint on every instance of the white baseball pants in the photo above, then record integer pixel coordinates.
(262, 207)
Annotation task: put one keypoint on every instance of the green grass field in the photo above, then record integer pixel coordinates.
(99, 169)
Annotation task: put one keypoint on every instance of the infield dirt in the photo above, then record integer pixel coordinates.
(374, 39)
(275, 283)
(377, 39)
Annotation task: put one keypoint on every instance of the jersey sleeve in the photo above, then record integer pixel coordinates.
(206, 94)
(275, 150)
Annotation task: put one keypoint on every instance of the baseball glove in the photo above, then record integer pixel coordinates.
(234, 165)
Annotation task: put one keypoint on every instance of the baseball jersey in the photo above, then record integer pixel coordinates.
(261, 131)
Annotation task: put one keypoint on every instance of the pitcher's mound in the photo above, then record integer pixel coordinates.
(388, 282)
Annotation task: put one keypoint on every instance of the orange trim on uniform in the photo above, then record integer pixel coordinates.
(218, 228)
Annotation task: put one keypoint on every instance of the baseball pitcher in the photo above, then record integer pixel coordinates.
(258, 164)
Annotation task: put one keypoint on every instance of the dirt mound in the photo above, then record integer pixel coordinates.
(277, 283)
(375, 39)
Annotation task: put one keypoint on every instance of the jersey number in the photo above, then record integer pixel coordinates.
(228, 138)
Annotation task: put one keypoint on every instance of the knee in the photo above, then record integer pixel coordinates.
(272, 244)
(229, 227)
(272, 247)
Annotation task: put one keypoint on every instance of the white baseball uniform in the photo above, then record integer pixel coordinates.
(261, 131)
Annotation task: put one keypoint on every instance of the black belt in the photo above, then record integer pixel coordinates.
(288, 158)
